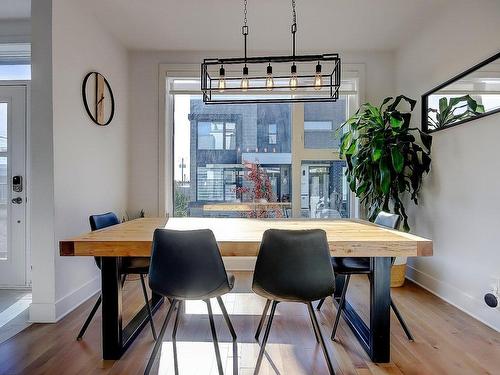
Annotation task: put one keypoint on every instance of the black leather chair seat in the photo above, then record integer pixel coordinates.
(292, 295)
(193, 294)
(347, 266)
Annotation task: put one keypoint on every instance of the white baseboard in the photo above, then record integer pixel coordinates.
(239, 263)
(53, 312)
(42, 313)
(454, 296)
(74, 299)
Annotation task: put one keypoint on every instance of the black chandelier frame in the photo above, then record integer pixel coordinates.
(320, 81)
(330, 80)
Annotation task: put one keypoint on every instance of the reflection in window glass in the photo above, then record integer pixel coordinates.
(324, 191)
(321, 121)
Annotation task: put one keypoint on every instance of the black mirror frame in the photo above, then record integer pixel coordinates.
(425, 104)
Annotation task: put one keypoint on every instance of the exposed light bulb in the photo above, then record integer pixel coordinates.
(269, 79)
(244, 81)
(318, 79)
(293, 78)
(222, 79)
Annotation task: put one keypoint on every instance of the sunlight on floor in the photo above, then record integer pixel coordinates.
(15, 309)
(196, 357)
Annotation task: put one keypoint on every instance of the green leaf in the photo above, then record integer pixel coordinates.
(397, 159)
(396, 122)
(385, 177)
(377, 149)
(426, 140)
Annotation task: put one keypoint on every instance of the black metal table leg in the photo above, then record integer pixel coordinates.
(380, 310)
(111, 292)
(115, 338)
(376, 339)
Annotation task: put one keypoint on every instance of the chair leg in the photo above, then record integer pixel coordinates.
(341, 306)
(158, 343)
(262, 319)
(401, 321)
(214, 337)
(89, 319)
(176, 322)
(322, 341)
(226, 318)
(266, 336)
(320, 304)
(316, 333)
(174, 337)
(148, 306)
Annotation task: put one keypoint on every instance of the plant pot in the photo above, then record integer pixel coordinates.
(398, 272)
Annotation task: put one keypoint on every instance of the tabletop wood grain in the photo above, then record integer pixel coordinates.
(242, 236)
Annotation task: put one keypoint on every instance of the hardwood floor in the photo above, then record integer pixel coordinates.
(447, 341)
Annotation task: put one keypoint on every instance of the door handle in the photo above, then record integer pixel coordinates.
(17, 200)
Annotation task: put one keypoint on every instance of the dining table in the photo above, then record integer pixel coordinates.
(241, 237)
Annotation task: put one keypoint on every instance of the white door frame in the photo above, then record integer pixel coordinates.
(27, 178)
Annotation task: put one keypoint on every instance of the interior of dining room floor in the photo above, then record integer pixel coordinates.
(283, 187)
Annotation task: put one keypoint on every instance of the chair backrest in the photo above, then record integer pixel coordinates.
(103, 220)
(294, 265)
(388, 220)
(185, 264)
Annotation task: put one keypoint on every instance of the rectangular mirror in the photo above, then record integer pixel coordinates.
(472, 94)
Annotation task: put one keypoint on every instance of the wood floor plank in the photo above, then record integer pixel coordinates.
(447, 341)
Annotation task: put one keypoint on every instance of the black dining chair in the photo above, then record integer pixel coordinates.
(355, 266)
(187, 265)
(293, 266)
(130, 266)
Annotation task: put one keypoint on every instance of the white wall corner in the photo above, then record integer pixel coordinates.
(456, 297)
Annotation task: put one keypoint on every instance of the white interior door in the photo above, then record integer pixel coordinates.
(12, 186)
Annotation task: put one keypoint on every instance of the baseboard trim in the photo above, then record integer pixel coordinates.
(42, 313)
(431, 284)
(72, 300)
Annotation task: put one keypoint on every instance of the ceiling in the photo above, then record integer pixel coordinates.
(195, 25)
(15, 9)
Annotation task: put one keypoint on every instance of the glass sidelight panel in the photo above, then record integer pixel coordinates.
(4, 192)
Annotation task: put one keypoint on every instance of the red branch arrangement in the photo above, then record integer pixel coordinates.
(261, 193)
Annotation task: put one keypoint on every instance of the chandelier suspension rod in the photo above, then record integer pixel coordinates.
(294, 27)
(244, 29)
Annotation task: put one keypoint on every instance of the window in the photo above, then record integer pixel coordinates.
(321, 124)
(213, 146)
(273, 134)
(216, 136)
(15, 61)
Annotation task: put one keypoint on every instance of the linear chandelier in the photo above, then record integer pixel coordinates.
(271, 79)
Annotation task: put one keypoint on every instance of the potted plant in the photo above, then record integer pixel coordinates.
(386, 159)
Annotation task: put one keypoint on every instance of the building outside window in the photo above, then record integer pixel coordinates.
(213, 142)
(273, 134)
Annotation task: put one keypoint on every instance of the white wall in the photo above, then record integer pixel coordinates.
(144, 153)
(89, 162)
(459, 207)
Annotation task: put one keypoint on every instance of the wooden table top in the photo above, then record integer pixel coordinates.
(242, 236)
